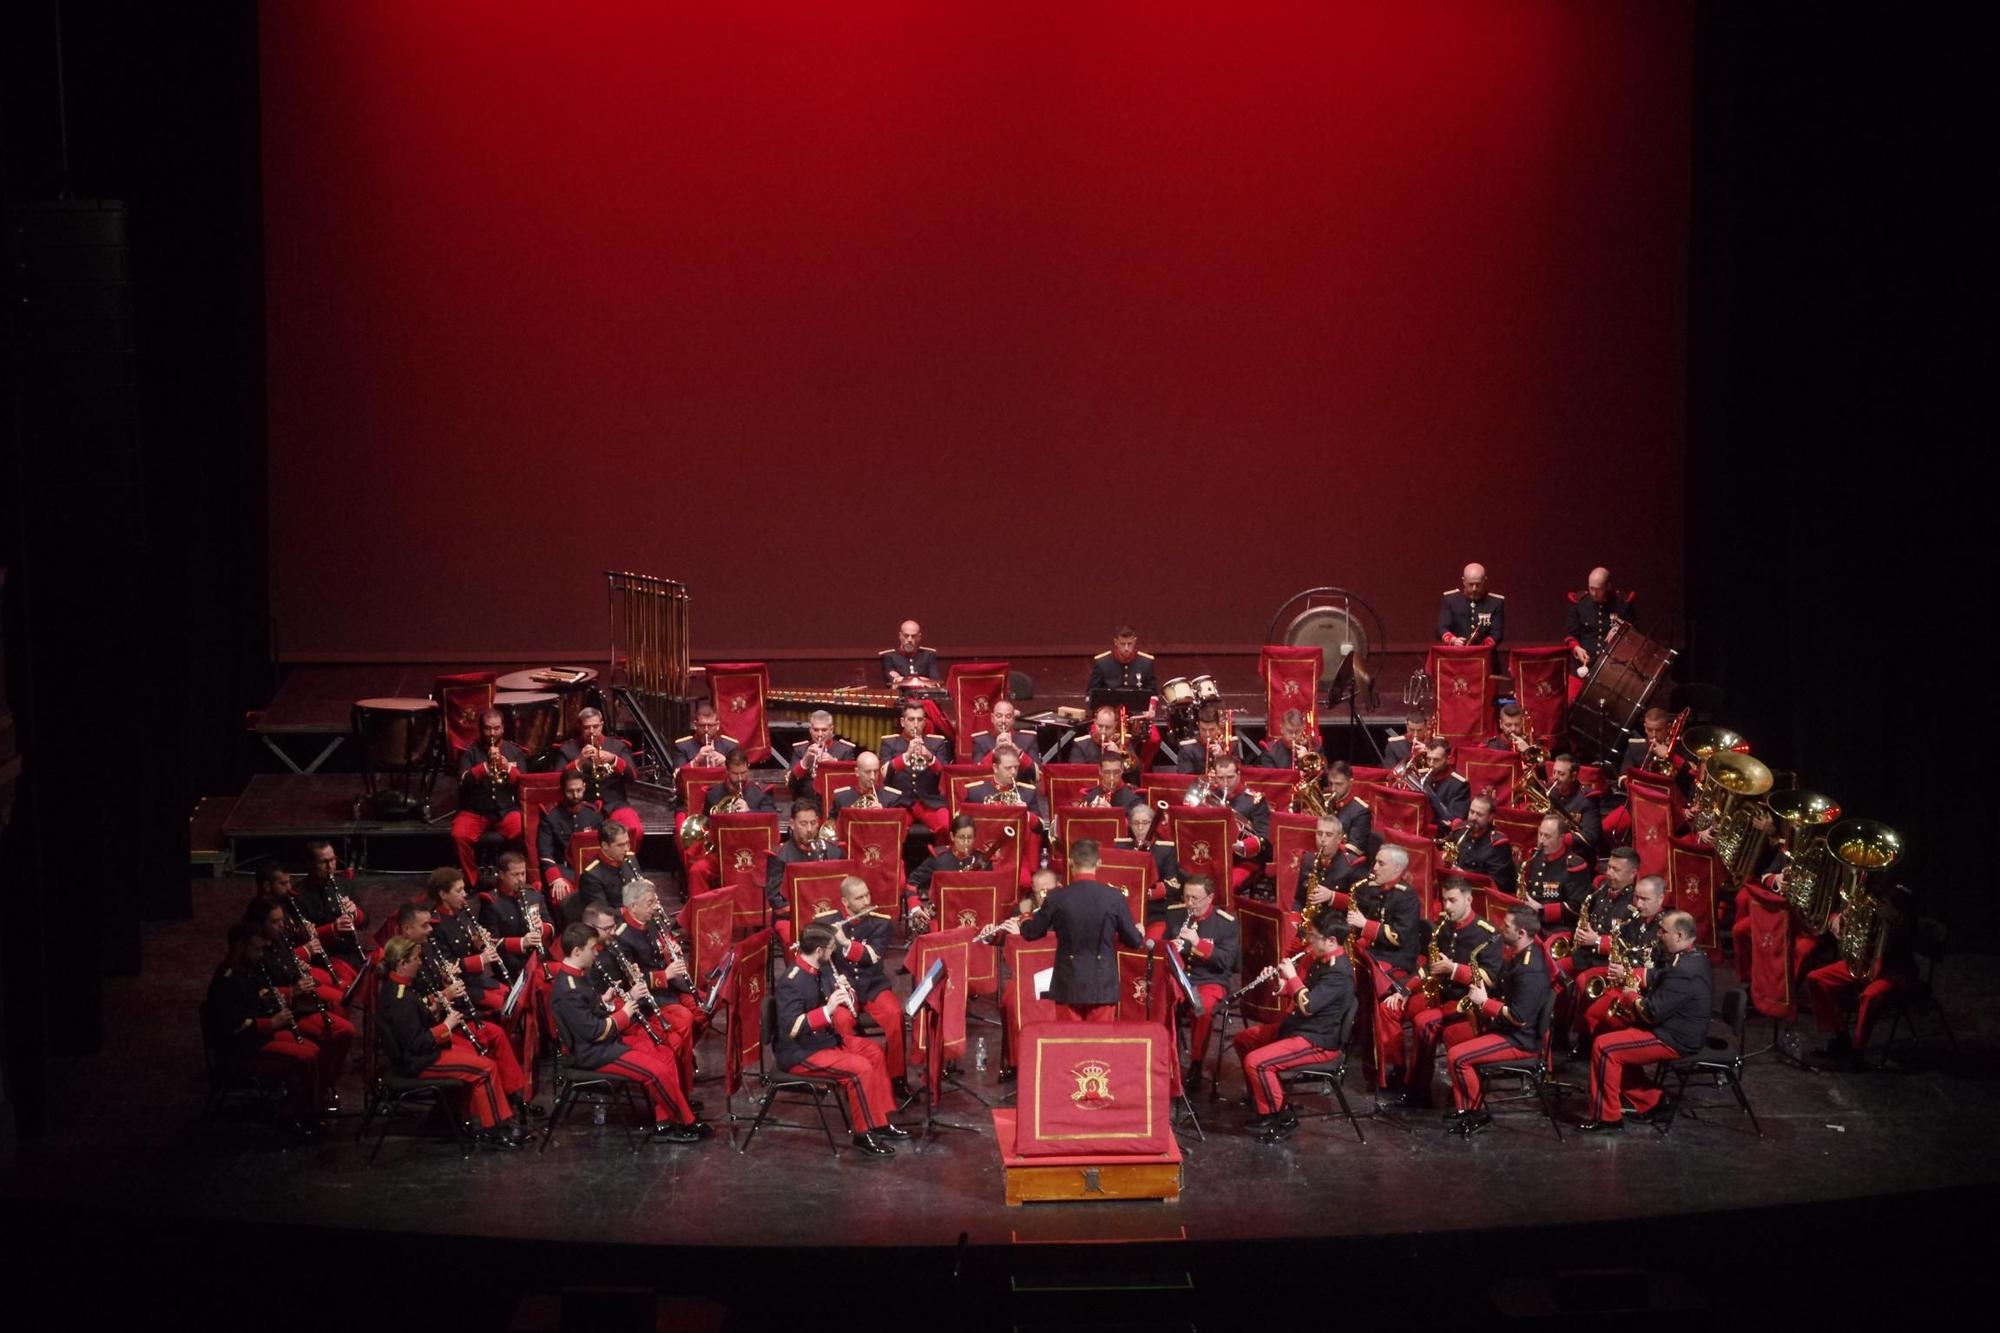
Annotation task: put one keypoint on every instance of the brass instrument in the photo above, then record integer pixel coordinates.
(1725, 802)
(1861, 847)
(1268, 974)
(1594, 988)
(1308, 881)
(1664, 764)
(1434, 985)
(697, 832)
(1708, 740)
(867, 800)
(1006, 796)
(1308, 795)
(1450, 848)
(1414, 771)
(1811, 874)
(496, 764)
(1566, 946)
(918, 756)
(1202, 792)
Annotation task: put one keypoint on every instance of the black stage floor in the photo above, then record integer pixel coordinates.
(1844, 1141)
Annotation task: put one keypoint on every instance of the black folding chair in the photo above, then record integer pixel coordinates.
(590, 1088)
(228, 1079)
(1908, 1004)
(1327, 1077)
(813, 1087)
(1721, 1057)
(1532, 1074)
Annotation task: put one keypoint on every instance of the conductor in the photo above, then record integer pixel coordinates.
(1089, 918)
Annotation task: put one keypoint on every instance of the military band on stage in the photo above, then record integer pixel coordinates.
(1557, 950)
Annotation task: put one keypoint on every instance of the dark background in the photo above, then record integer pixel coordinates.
(1830, 244)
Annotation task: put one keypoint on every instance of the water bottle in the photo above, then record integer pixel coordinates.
(597, 1113)
(979, 1056)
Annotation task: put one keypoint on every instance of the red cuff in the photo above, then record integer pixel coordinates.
(896, 761)
(1552, 913)
(329, 930)
(265, 1025)
(657, 980)
(621, 1018)
(1342, 900)
(514, 944)
(1158, 891)
(473, 962)
(1295, 985)
(817, 1019)
(1252, 846)
(1461, 974)
(1370, 931)
(1491, 1008)
(442, 1032)
(1204, 949)
(855, 952)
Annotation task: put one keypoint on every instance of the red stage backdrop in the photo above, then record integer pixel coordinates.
(817, 307)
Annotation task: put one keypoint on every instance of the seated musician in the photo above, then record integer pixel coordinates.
(1592, 617)
(561, 822)
(1651, 752)
(1317, 1007)
(315, 1007)
(440, 980)
(1836, 991)
(913, 763)
(1482, 848)
(1283, 750)
(597, 1025)
(808, 1041)
(1509, 1010)
(1040, 885)
(1613, 899)
(423, 1038)
(1001, 731)
(334, 916)
(1567, 794)
(1448, 791)
(961, 855)
(1470, 615)
(1513, 729)
(804, 844)
(643, 939)
(1672, 1022)
(861, 937)
(868, 792)
(1465, 949)
(1555, 879)
(1110, 790)
(1103, 735)
(605, 876)
(489, 792)
(472, 956)
(909, 660)
(1006, 788)
(1638, 957)
(1385, 922)
(1208, 744)
(1357, 821)
(606, 765)
(1417, 731)
(1772, 888)
(1252, 843)
(1323, 870)
(819, 746)
(248, 1026)
(706, 746)
(1124, 667)
(1163, 893)
(520, 921)
(1209, 941)
(735, 794)
(275, 882)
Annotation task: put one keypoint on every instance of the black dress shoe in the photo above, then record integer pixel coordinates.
(672, 1131)
(1261, 1122)
(702, 1129)
(1471, 1123)
(1283, 1126)
(1602, 1126)
(501, 1141)
(901, 1087)
(869, 1144)
(1009, 1074)
(1453, 1117)
(887, 1131)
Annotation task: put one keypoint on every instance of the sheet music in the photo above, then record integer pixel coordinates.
(922, 989)
(1043, 980)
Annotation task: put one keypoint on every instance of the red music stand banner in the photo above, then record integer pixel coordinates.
(1203, 836)
(829, 777)
(582, 850)
(1654, 804)
(1291, 680)
(1169, 787)
(991, 823)
(1772, 993)
(1397, 809)
(1144, 987)
(1265, 934)
(1463, 680)
(709, 922)
(974, 688)
(1078, 822)
(463, 698)
(1094, 1088)
(1696, 877)
(874, 840)
(1493, 773)
(813, 887)
(538, 791)
(955, 778)
(738, 691)
(745, 1045)
(1025, 960)
(956, 948)
(1065, 784)
(1293, 838)
(743, 843)
(968, 900)
(1423, 872)
(1521, 826)
(691, 783)
(1131, 873)
(1541, 686)
(1274, 784)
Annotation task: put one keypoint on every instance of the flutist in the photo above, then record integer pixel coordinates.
(1319, 1007)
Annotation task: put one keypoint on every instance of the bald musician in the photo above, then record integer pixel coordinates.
(909, 660)
(1469, 614)
(1592, 617)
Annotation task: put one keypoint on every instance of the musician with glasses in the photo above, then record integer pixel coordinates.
(861, 938)
(706, 747)
(913, 763)
(1469, 614)
(909, 660)
(1163, 892)
(960, 855)
(1672, 1021)
(1123, 667)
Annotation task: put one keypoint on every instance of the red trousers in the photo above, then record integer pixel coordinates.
(1830, 988)
(499, 1050)
(1598, 1019)
(297, 1063)
(1470, 1052)
(1087, 1013)
(334, 1036)
(865, 1089)
(936, 818)
(1611, 1057)
(468, 826)
(480, 1082)
(1386, 1031)
(656, 1069)
(1266, 1055)
(1213, 993)
(1429, 1024)
(1617, 826)
(889, 1016)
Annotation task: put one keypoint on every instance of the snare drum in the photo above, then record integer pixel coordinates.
(532, 719)
(1206, 690)
(1177, 691)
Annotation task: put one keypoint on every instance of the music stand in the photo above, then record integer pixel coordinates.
(1183, 1104)
(927, 999)
(1134, 702)
(1345, 688)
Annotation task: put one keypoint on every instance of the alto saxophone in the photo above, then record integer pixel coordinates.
(1434, 985)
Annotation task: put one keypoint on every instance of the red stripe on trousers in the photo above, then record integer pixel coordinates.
(1262, 1066)
(1613, 1054)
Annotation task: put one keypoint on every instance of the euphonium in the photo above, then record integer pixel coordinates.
(1725, 802)
(1811, 871)
(1308, 796)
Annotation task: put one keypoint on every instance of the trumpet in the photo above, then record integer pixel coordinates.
(496, 763)
(533, 943)
(1267, 975)
(918, 757)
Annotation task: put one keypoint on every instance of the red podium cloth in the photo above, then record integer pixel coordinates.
(1423, 872)
(1078, 822)
(462, 697)
(968, 900)
(956, 778)
(1203, 836)
(1463, 680)
(1292, 838)
(813, 887)
(1655, 808)
(1771, 990)
(956, 948)
(709, 922)
(1541, 686)
(738, 691)
(1264, 935)
(1274, 784)
(1695, 878)
(745, 1034)
(974, 688)
(1131, 873)
(1094, 1088)
(1490, 772)
(874, 840)
(1291, 680)
(742, 845)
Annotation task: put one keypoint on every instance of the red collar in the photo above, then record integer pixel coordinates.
(631, 920)
(568, 970)
(811, 970)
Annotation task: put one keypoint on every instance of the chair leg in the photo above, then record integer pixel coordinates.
(565, 1103)
(819, 1104)
(1743, 1100)
(1550, 1098)
(763, 1110)
(641, 1113)
(1353, 1121)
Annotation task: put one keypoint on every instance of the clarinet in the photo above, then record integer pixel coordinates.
(611, 984)
(485, 942)
(291, 1019)
(463, 1005)
(314, 947)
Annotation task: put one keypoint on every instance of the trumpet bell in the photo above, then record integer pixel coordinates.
(1594, 988)
(1865, 844)
(1708, 740)
(1738, 774)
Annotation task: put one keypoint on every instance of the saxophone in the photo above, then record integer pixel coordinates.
(1470, 1010)
(1434, 985)
(1594, 988)
(1449, 847)
(1309, 881)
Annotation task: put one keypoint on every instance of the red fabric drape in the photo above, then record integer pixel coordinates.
(743, 844)
(1463, 680)
(813, 887)
(1771, 990)
(873, 839)
(1655, 806)
(1264, 935)
(968, 900)
(1541, 685)
(1292, 837)
(709, 921)
(955, 947)
(974, 688)
(462, 697)
(1695, 874)
(1079, 822)
(1202, 841)
(1490, 772)
(738, 691)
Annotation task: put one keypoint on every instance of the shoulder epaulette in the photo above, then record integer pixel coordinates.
(934, 735)
(1101, 656)
(794, 972)
(1496, 838)
(1256, 796)
(886, 651)
(879, 913)
(1460, 776)
(1576, 862)
(828, 912)
(1147, 656)
(1497, 596)
(1226, 916)
(592, 866)
(1449, 592)
(679, 739)
(1360, 801)
(402, 989)
(1486, 925)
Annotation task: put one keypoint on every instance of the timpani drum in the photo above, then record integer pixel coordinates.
(533, 720)
(399, 740)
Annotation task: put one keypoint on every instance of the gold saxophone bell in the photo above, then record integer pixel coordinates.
(1562, 948)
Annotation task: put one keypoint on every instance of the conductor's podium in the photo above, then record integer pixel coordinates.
(1094, 1118)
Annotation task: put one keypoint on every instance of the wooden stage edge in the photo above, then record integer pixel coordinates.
(1083, 1180)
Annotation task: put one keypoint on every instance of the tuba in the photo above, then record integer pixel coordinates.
(1860, 847)
(1725, 801)
(1810, 872)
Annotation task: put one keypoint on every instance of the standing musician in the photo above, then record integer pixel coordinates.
(561, 822)
(1163, 893)
(808, 1040)
(252, 1028)
(1111, 791)
(335, 917)
(805, 844)
(1470, 615)
(1317, 1008)
(1672, 1022)
(421, 1039)
(1385, 922)
(1209, 941)
(819, 746)
(606, 765)
(1464, 950)
(1638, 936)
(1000, 733)
(1592, 616)
(1835, 990)
(1510, 1011)
(594, 1028)
(1103, 735)
(639, 944)
(1293, 739)
(909, 660)
(913, 761)
(706, 746)
(861, 936)
(1089, 919)
(868, 792)
(1482, 848)
(1608, 902)
(1567, 794)
(489, 791)
(735, 794)
(605, 876)
(1556, 879)
(315, 1010)
(1252, 842)
(961, 855)
(1417, 731)
(1124, 667)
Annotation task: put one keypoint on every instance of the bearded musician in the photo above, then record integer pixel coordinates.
(1473, 844)
(489, 791)
(735, 794)
(606, 764)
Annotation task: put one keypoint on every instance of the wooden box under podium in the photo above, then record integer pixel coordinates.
(1099, 1177)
